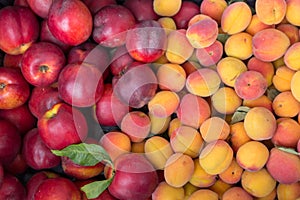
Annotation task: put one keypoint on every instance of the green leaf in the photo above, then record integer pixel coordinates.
(272, 92)
(94, 189)
(239, 114)
(85, 154)
(288, 150)
(223, 37)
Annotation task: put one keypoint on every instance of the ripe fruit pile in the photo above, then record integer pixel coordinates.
(150, 99)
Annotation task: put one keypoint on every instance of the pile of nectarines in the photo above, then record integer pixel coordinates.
(150, 99)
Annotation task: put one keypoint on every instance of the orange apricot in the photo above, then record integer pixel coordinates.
(292, 57)
(239, 45)
(233, 173)
(214, 9)
(238, 136)
(166, 8)
(282, 78)
(285, 105)
(270, 11)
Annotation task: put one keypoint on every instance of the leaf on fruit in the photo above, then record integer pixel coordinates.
(239, 114)
(272, 93)
(289, 150)
(222, 37)
(85, 154)
(94, 189)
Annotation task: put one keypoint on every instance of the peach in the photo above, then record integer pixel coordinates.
(187, 140)
(204, 82)
(292, 57)
(291, 31)
(260, 123)
(264, 47)
(166, 8)
(136, 125)
(229, 68)
(164, 191)
(285, 105)
(203, 33)
(239, 45)
(270, 12)
(262, 101)
(115, 143)
(164, 103)
(265, 68)
(178, 170)
(288, 191)
(200, 178)
(252, 156)
(214, 128)
(259, 183)
(256, 25)
(216, 157)
(233, 173)
(284, 167)
(158, 124)
(213, 8)
(173, 125)
(236, 17)
(225, 100)
(220, 187)
(167, 23)
(282, 78)
(211, 55)
(187, 11)
(238, 136)
(157, 151)
(178, 48)
(250, 85)
(204, 194)
(292, 9)
(193, 110)
(236, 193)
(171, 76)
(295, 82)
(287, 133)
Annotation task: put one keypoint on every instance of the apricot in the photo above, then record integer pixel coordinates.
(189, 189)
(138, 147)
(292, 9)
(186, 140)
(236, 193)
(233, 173)
(229, 68)
(288, 191)
(265, 68)
(284, 167)
(287, 133)
(252, 156)
(262, 101)
(225, 100)
(285, 105)
(292, 57)
(291, 31)
(137, 125)
(168, 24)
(203, 33)
(269, 11)
(214, 128)
(256, 25)
(204, 82)
(171, 76)
(200, 178)
(216, 157)
(115, 143)
(264, 47)
(239, 45)
(164, 191)
(213, 8)
(211, 55)
(173, 125)
(295, 82)
(260, 123)
(197, 18)
(235, 18)
(178, 170)
(193, 110)
(166, 8)
(238, 136)
(157, 151)
(164, 103)
(158, 124)
(204, 194)
(250, 85)
(259, 183)
(220, 187)
(282, 78)
(178, 48)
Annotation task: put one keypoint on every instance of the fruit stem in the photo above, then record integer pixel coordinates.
(44, 68)
(2, 85)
